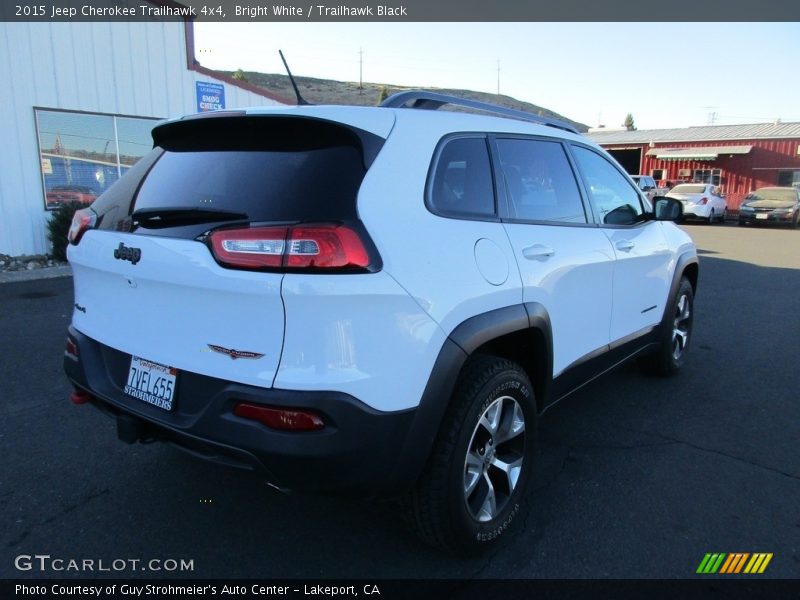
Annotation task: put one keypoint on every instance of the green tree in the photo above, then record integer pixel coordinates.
(628, 124)
(239, 75)
(58, 226)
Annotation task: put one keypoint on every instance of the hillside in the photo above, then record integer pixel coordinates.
(328, 91)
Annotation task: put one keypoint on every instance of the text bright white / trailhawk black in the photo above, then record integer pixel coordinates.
(407, 289)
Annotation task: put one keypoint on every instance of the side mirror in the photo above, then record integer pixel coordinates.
(667, 209)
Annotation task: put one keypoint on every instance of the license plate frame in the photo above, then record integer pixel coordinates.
(762, 216)
(151, 382)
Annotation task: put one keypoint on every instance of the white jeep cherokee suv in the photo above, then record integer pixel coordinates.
(373, 300)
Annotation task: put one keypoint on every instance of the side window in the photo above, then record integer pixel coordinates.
(617, 202)
(462, 183)
(539, 181)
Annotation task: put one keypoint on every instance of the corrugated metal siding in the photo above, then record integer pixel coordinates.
(741, 173)
(136, 69)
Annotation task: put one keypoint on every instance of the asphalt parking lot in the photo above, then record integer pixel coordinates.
(637, 477)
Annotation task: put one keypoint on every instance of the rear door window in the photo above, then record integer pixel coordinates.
(540, 185)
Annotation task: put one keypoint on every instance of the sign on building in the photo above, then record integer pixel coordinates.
(210, 96)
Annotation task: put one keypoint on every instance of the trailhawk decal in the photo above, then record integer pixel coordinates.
(234, 354)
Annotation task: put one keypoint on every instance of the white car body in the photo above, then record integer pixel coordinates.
(700, 200)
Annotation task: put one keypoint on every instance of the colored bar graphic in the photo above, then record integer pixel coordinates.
(711, 563)
(728, 562)
(703, 563)
(733, 563)
(765, 563)
(741, 562)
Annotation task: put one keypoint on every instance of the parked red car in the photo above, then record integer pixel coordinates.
(61, 194)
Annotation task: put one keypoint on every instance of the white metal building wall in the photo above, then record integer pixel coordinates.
(133, 69)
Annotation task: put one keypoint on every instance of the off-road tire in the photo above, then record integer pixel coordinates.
(438, 508)
(667, 360)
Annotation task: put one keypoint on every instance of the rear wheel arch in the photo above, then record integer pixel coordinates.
(519, 333)
(528, 349)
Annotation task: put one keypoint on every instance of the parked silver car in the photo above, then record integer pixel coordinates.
(648, 186)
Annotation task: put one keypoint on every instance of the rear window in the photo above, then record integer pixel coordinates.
(302, 185)
(271, 169)
(689, 189)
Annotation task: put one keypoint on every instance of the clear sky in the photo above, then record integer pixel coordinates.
(665, 74)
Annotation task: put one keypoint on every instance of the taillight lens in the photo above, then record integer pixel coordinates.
(287, 419)
(323, 247)
(259, 247)
(82, 221)
(703, 201)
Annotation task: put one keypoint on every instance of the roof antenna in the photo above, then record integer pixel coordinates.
(300, 100)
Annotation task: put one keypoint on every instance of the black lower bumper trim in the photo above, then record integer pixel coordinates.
(359, 450)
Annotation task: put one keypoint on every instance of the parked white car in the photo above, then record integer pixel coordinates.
(701, 201)
(376, 300)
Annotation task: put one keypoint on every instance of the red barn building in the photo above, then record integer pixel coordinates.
(739, 158)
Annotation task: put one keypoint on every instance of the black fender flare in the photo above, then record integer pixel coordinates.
(463, 341)
(683, 262)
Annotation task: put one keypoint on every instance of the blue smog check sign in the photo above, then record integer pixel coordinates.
(210, 96)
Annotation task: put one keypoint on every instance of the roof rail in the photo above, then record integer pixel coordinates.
(431, 101)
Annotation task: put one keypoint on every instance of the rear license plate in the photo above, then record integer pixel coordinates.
(762, 216)
(151, 382)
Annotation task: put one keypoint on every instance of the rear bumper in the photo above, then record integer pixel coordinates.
(359, 450)
(696, 211)
(781, 218)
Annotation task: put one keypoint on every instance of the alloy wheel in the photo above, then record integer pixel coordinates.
(681, 326)
(494, 459)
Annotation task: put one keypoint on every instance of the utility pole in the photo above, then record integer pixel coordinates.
(498, 76)
(711, 117)
(360, 71)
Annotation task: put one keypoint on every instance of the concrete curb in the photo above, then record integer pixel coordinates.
(34, 274)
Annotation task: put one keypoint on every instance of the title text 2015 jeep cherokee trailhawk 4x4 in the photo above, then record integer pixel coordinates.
(378, 300)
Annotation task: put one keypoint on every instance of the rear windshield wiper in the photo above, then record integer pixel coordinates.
(154, 218)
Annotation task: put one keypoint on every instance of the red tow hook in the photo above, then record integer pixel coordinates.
(80, 397)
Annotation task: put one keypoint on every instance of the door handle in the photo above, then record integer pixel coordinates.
(537, 251)
(625, 245)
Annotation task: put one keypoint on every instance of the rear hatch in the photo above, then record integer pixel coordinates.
(171, 267)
